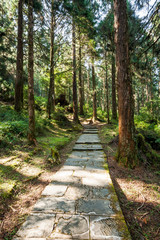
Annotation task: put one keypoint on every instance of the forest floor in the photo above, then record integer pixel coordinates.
(27, 171)
(138, 190)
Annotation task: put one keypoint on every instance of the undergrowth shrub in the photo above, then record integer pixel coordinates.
(149, 128)
(61, 120)
(40, 103)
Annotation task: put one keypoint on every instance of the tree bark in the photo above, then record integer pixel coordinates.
(88, 85)
(51, 94)
(107, 87)
(159, 85)
(31, 109)
(75, 104)
(19, 64)
(126, 148)
(104, 102)
(114, 104)
(138, 103)
(81, 102)
(94, 92)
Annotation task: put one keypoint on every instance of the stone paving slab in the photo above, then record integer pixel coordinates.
(88, 139)
(56, 190)
(37, 226)
(87, 147)
(80, 202)
(55, 205)
(96, 207)
(74, 226)
(77, 192)
(103, 227)
(17, 238)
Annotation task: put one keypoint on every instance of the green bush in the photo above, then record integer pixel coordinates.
(61, 119)
(42, 122)
(88, 111)
(40, 102)
(101, 114)
(13, 125)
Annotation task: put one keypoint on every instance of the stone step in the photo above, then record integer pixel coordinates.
(88, 139)
(87, 147)
(90, 132)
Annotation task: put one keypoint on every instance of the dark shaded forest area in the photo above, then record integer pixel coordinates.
(66, 63)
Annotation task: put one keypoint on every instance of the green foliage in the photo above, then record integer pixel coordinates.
(102, 115)
(88, 111)
(54, 158)
(40, 102)
(149, 128)
(146, 154)
(13, 125)
(61, 120)
(42, 123)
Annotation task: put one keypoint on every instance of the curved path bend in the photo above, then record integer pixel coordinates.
(80, 202)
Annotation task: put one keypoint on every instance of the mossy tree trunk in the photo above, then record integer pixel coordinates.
(88, 85)
(19, 65)
(31, 107)
(126, 149)
(114, 103)
(107, 87)
(51, 94)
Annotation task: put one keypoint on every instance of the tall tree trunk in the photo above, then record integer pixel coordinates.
(126, 148)
(114, 104)
(151, 92)
(147, 92)
(19, 65)
(104, 102)
(88, 84)
(138, 103)
(51, 94)
(143, 94)
(159, 85)
(75, 104)
(94, 92)
(31, 110)
(107, 87)
(81, 103)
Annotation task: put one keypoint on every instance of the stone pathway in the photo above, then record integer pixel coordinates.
(80, 202)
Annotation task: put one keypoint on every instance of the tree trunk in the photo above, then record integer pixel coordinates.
(147, 92)
(51, 94)
(104, 102)
(19, 67)
(159, 85)
(107, 87)
(94, 92)
(75, 105)
(126, 149)
(88, 85)
(81, 103)
(31, 134)
(114, 104)
(138, 103)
